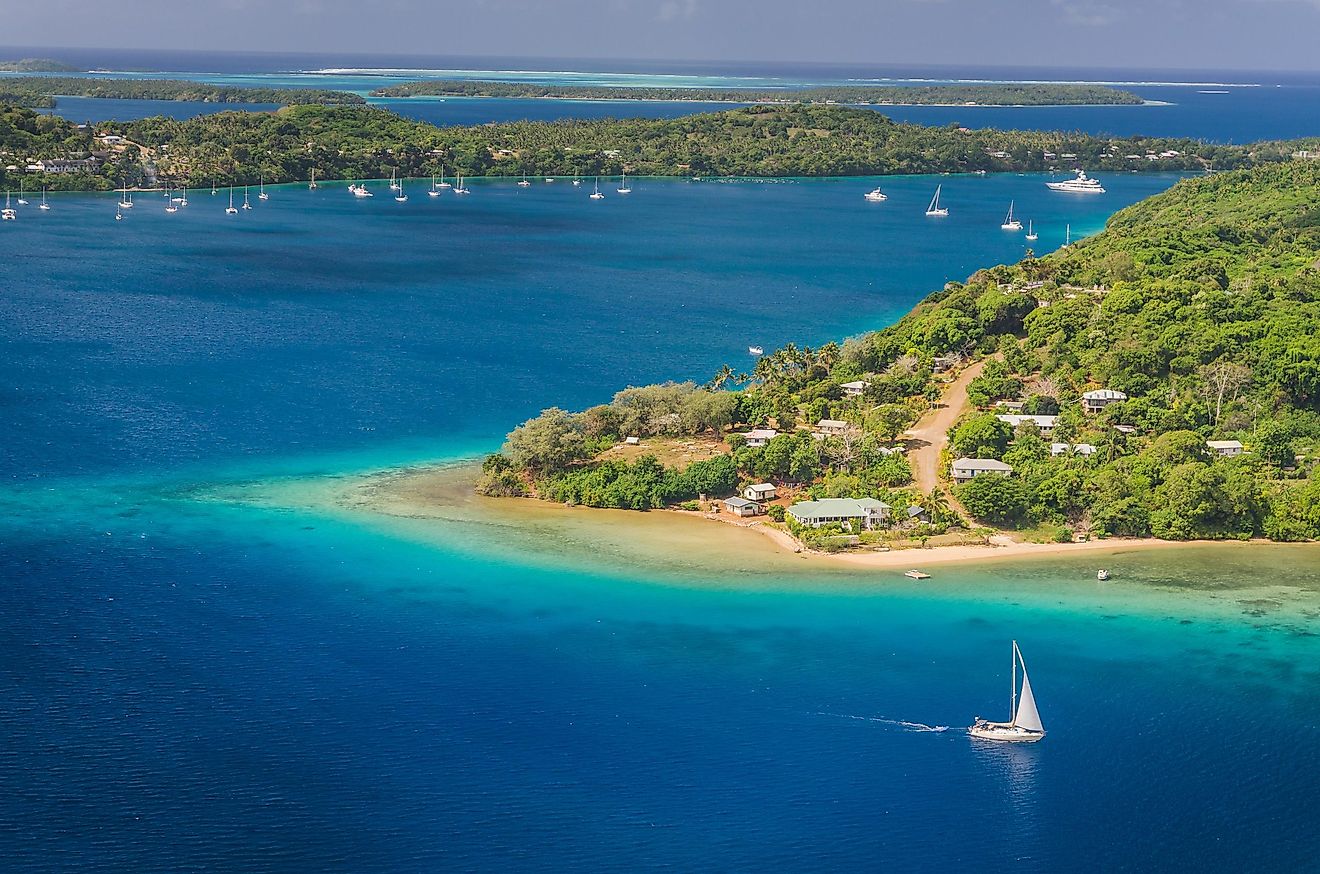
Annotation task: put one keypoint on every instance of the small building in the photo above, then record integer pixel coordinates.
(1044, 423)
(760, 436)
(1057, 449)
(742, 507)
(866, 512)
(1096, 400)
(854, 389)
(760, 492)
(631, 441)
(1225, 448)
(917, 514)
(968, 469)
(832, 426)
(1085, 449)
(1126, 430)
(67, 165)
(1011, 406)
(943, 363)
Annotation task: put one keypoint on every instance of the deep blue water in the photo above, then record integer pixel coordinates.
(192, 684)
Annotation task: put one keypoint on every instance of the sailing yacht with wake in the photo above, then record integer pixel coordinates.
(1024, 725)
(1010, 223)
(935, 209)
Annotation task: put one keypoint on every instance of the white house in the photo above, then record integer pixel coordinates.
(760, 492)
(866, 512)
(743, 507)
(1044, 423)
(832, 426)
(1225, 448)
(966, 469)
(854, 389)
(1125, 429)
(760, 436)
(1096, 400)
(1057, 449)
(1084, 449)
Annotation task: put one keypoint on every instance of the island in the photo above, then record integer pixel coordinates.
(44, 91)
(1159, 380)
(36, 65)
(362, 142)
(989, 94)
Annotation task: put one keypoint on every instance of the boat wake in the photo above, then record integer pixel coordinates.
(897, 723)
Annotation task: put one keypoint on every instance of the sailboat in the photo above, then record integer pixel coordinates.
(394, 183)
(169, 201)
(8, 214)
(183, 197)
(232, 210)
(596, 195)
(524, 183)
(1010, 223)
(1031, 233)
(1024, 726)
(623, 186)
(434, 192)
(311, 186)
(246, 203)
(443, 184)
(360, 190)
(261, 194)
(576, 180)
(21, 201)
(214, 190)
(458, 187)
(119, 216)
(44, 204)
(935, 209)
(401, 197)
(126, 199)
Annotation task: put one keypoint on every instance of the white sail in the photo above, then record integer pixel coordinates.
(1027, 715)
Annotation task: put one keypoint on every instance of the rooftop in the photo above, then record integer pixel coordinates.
(981, 464)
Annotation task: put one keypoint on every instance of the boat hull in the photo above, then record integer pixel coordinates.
(1001, 732)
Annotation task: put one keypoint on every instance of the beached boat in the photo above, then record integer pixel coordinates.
(44, 204)
(1081, 184)
(1024, 726)
(596, 195)
(1010, 223)
(1032, 236)
(875, 195)
(935, 210)
(231, 209)
(623, 185)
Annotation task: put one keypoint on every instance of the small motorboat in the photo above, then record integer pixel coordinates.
(755, 350)
(1102, 575)
(916, 574)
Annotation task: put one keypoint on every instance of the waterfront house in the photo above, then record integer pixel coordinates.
(1225, 448)
(760, 436)
(867, 513)
(1096, 400)
(743, 507)
(831, 427)
(854, 389)
(967, 469)
(1044, 423)
(760, 492)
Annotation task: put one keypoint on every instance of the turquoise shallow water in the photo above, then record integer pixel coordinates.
(194, 683)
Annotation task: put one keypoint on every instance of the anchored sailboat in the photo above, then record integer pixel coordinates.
(1010, 223)
(623, 186)
(126, 199)
(596, 195)
(443, 184)
(44, 204)
(262, 195)
(21, 201)
(1031, 233)
(311, 186)
(458, 187)
(8, 214)
(170, 205)
(935, 209)
(231, 210)
(435, 191)
(524, 183)
(247, 204)
(1024, 726)
(401, 197)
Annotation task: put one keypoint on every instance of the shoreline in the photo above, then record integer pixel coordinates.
(372, 96)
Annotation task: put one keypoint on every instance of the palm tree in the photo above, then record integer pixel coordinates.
(721, 378)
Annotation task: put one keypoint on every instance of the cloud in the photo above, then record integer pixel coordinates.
(676, 10)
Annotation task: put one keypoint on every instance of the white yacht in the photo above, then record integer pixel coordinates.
(21, 200)
(458, 186)
(1082, 184)
(44, 204)
(443, 184)
(1010, 223)
(231, 209)
(524, 183)
(183, 197)
(394, 182)
(311, 186)
(755, 350)
(596, 195)
(170, 205)
(623, 185)
(247, 204)
(935, 209)
(435, 191)
(1032, 236)
(1024, 725)
(8, 213)
(360, 190)
(261, 194)
(401, 197)
(576, 180)
(875, 195)
(125, 199)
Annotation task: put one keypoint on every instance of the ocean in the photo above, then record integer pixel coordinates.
(195, 679)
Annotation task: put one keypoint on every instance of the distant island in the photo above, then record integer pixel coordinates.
(43, 91)
(358, 142)
(36, 65)
(1161, 379)
(1005, 94)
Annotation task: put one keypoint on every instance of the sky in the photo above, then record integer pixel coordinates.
(1114, 34)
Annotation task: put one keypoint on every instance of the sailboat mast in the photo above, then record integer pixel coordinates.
(1012, 701)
